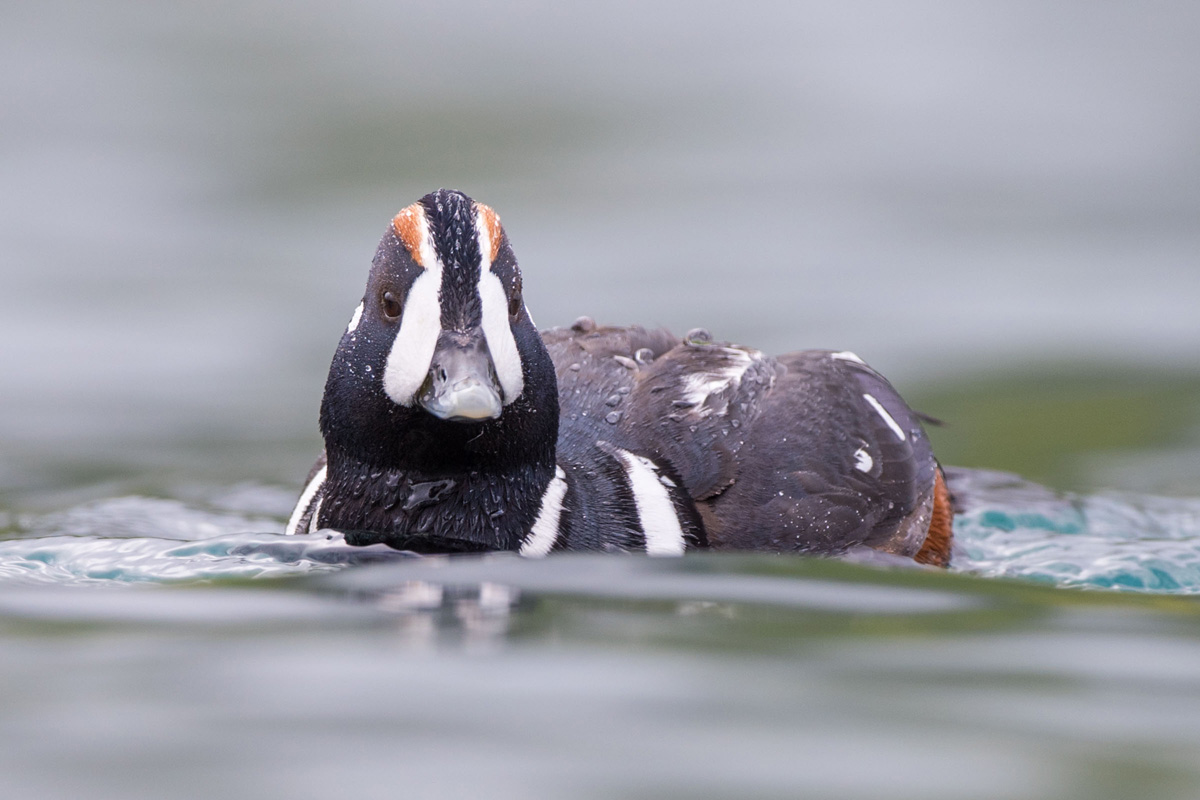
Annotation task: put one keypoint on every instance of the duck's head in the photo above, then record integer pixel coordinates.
(442, 339)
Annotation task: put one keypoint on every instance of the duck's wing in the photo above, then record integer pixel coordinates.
(834, 459)
(682, 403)
(692, 408)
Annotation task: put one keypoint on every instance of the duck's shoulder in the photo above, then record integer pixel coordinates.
(597, 368)
(594, 358)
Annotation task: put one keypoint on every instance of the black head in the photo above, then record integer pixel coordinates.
(441, 368)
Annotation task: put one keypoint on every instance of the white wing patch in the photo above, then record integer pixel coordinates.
(699, 386)
(882, 412)
(846, 355)
(660, 521)
(306, 498)
(544, 533)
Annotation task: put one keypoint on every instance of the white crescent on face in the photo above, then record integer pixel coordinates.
(494, 302)
(412, 350)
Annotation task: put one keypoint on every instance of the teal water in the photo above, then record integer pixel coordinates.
(1114, 540)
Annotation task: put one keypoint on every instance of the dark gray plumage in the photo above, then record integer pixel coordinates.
(452, 425)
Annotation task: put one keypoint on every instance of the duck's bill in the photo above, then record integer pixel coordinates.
(462, 385)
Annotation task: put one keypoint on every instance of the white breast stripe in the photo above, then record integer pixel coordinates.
(313, 525)
(420, 324)
(496, 330)
(354, 320)
(881, 411)
(544, 533)
(660, 522)
(306, 498)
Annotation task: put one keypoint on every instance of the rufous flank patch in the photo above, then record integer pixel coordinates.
(936, 550)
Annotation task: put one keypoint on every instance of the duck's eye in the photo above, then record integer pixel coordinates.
(391, 305)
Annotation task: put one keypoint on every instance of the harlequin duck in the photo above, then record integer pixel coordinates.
(452, 425)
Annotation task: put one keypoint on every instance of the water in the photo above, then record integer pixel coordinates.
(1008, 526)
(579, 676)
(156, 642)
(994, 204)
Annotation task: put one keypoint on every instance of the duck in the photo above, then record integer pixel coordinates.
(452, 425)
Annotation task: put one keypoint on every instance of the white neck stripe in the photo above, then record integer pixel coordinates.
(545, 530)
(660, 521)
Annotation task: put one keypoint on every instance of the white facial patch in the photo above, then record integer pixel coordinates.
(862, 460)
(420, 325)
(354, 320)
(496, 330)
(882, 412)
(656, 512)
(544, 533)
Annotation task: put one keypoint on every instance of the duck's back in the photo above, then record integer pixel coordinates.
(812, 451)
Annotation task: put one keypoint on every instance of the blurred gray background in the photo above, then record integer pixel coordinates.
(191, 193)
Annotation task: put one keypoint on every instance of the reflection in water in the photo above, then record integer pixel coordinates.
(478, 616)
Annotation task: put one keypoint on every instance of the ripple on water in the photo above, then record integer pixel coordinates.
(1014, 528)
(128, 540)
(1006, 527)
